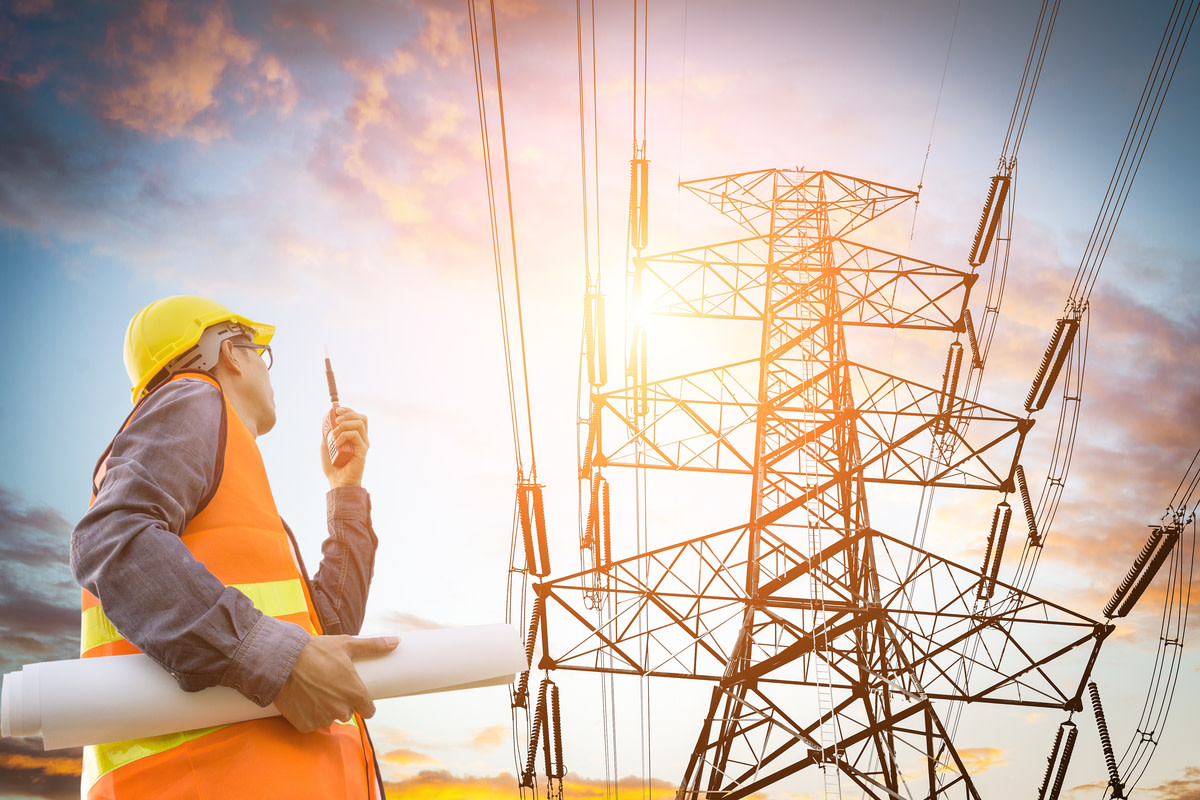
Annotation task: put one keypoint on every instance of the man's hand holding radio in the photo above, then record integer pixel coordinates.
(349, 427)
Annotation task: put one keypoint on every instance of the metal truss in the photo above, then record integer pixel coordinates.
(677, 612)
(829, 645)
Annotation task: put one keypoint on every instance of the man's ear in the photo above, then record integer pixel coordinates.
(227, 358)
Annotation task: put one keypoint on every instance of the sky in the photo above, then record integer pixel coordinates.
(319, 167)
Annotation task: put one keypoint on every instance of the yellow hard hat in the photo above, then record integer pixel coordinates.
(169, 328)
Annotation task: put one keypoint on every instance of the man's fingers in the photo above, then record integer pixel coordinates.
(372, 646)
(367, 709)
(353, 431)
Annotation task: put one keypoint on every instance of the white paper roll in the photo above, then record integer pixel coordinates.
(96, 700)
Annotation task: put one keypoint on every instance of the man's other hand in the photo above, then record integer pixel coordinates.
(324, 686)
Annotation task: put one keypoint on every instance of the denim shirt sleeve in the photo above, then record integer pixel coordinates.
(126, 550)
(347, 561)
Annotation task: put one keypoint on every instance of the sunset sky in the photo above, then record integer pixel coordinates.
(318, 166)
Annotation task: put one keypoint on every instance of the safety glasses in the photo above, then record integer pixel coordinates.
(264, 351)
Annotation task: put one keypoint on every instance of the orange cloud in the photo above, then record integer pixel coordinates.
(1186, 787)
(173, 69)
(441, 37)
(28, 771)
(490, 737)
(576, 786)
(442, 785)
(401, 202)
(979, 760)
(406, 757)
(47, 765)
(277, 87)
(369, 103)
(170, 70)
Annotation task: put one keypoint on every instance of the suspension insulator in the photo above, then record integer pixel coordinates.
(1060, 758)
(995, 551)
(594, 338)
(543, 713)
(537, 733)
(969, 324)
(639, 202)
(1052, 362)
(989, 220)
(595, 522)
(1005, 517)
(1110, 759)
(1141, 574)
(532, 516)
(521, 695)
(1030, 519)
(607, 526)
(593, 516)
(556, 726)
(637, 372)
(593, 441)
(949, 387)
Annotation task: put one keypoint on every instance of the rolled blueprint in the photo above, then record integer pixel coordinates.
(97, 700)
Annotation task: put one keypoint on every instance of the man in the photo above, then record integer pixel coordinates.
(183, 556)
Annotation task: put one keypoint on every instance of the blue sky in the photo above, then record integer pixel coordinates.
(317, 166)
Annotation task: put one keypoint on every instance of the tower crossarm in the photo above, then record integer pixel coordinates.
(754, 198)
(706, 422)
(875, 287)
(677, 612)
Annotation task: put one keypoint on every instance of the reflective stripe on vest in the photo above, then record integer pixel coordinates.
(99, 761)
(239, 536)
(273, 598)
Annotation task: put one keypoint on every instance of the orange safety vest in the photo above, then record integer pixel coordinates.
(240, 537)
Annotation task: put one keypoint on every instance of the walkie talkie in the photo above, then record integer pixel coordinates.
(338, 456)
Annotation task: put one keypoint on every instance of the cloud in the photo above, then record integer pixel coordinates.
(977, 760)
(490, 737)
(406, 757)
(1141, 402)
(27, 771)
(1139, 427)
(39, 600)
(31, 8)
(169, 69)
(276, 88)
(443, 785)
(441, 37)
(1185, 787)
(172, 71)
(15, 68)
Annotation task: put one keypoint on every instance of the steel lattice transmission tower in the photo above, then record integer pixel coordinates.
(829, 644)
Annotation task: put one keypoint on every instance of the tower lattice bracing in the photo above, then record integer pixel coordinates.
(830, 644)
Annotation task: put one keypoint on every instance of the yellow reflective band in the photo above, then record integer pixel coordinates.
(96, 629)
(273, 598)
(99, 760)
(102, 759)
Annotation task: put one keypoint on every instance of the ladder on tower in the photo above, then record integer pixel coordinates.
(830, 754)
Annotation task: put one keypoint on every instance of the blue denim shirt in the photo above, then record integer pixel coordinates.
(126, 550)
